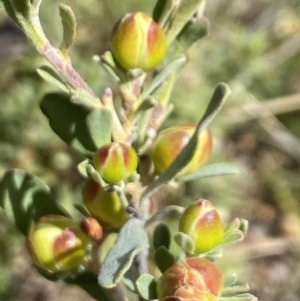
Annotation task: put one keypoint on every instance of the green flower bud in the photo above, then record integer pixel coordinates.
(106, 207)
(138, 42)
(170, 142)
(91, 228)
(115, 162)
(202, 222)
(191, 279)
(57, 244)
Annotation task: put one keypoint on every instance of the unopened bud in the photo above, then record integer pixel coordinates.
(138, 42)
(91, 228)
(115, 162)
(171, 141)
(57, 244)
(191, 279)
(202, 222)
(106, 207)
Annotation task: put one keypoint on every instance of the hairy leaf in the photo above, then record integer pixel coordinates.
(183, 15)
(69, 25)
(49, 75)
(146, 286)
(169, 211)
(161, 236)
(25, 198)
(163, 258)
(78, 127)
(211, 170)
(185, 242)
(131, 240)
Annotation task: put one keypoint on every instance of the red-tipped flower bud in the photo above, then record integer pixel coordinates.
(202, 222)
(191, 279)
(106, 207)
(138, 42)
(91, 228)
(57, 244)
(115, 162)
(170, 142)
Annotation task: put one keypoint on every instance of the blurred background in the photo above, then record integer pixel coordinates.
(254, 46)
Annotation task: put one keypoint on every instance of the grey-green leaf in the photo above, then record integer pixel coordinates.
(18, 11)
(230, 280)
(193, 31)
(185, 242)
(99, 123)
(73, 123)
(49, 75)
(173, 66)
(82, 168)
(163, 258)
(240, 297)
(184, 13)
(25, 198)
(131, 240)
(88, 282)
(169, 211)
(69, 26)
(161, 236)
(218, 99)
(146, 286)
(211, 170)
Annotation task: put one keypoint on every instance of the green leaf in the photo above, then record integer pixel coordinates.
(237, 289)
(163, 9)
(131, 240)
(25, 198)
(49, 75)
(240, 297)
(146, 286)
(89, 282)
(212, 170)
(99, 122)
(69, 26)
(230, 280)
(130, 278)
(193, 31)
(185, 12)
(82, 168)
(169, 211)
(18, 11)
(173, 66)
(185, 242)
(235, 232)
(218, 99)
(74, 124)
(163, 258)
(81, 209)
(161, 236)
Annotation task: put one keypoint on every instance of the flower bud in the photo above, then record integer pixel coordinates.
(170, 142)
(91, 228)
(57, 244)
(202, 222)
(137, 41)
(115, 162)
(191, 279)
(104, 206)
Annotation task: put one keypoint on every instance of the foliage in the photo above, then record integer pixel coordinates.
(138, 144)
